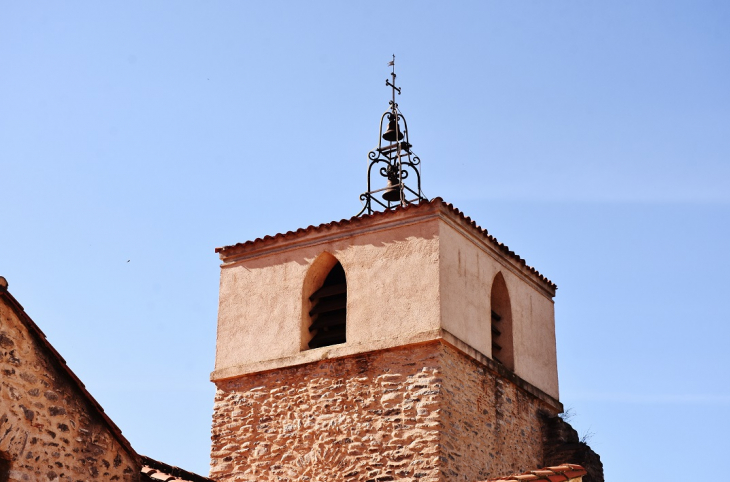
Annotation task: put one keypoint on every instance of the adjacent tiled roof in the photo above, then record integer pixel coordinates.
(381, 214)
(560, 473)
(154, 470)
(61, 363)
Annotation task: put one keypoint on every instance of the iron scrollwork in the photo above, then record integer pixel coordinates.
(395, 161)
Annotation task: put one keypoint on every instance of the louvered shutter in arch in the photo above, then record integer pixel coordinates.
(329, 310)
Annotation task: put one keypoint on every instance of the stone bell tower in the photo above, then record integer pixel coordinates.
(405, 343)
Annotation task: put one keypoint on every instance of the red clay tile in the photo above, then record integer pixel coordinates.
(379, 214)
(558, 473)
(156, 471)
(542, 472)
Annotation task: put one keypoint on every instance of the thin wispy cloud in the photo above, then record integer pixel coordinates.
(643, 398)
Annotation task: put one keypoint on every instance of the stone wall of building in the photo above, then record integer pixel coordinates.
(561, 444)
(491, 427)
(421, 412)
(49, 430)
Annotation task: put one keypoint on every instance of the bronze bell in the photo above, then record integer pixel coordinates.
(392, 191)
(390, 133)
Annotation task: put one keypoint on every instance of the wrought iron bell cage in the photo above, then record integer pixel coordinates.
(394, 161)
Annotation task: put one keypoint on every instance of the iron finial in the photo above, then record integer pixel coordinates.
(397, 160)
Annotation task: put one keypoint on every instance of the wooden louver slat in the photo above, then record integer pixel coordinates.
(329, 291)
(331, 303)
(496, 347)
(326, 320)
(329, 312)
(328, 338)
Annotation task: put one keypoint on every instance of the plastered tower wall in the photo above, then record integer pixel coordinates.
(468, 267)
(392, 271)
(48, 429)
(414, 392)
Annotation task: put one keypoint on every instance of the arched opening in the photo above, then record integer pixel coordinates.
(502, 345)
(328, 313)
(5, 461)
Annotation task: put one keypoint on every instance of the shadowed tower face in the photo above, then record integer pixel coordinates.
(408, 344)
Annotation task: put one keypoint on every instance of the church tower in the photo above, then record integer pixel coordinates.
(404, 343)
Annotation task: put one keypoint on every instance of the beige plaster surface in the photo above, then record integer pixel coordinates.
(411, 276)
(391, 294)
(468, 268)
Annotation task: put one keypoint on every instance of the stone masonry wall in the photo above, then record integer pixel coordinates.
(491, 428)
(47, 428)
(561, 444)
(424, 412)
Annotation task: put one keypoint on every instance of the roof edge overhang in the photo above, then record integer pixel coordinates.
(559, 473)
(41, 339)
(378, 221)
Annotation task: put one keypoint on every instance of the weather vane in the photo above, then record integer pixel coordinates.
(396, 160)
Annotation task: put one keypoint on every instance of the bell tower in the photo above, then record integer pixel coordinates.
(403, 343)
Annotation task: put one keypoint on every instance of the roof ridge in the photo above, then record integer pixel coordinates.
(502, 247)
(437, 201)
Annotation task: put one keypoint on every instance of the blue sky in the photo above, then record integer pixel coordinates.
(591, 137)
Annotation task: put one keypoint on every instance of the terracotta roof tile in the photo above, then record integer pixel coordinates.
(559, 473)
(560, 468)
(503, 247)
(156, 471)
(381, 214)
(542, 472)
(572, 474)
(526, 477)
(163, 477)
